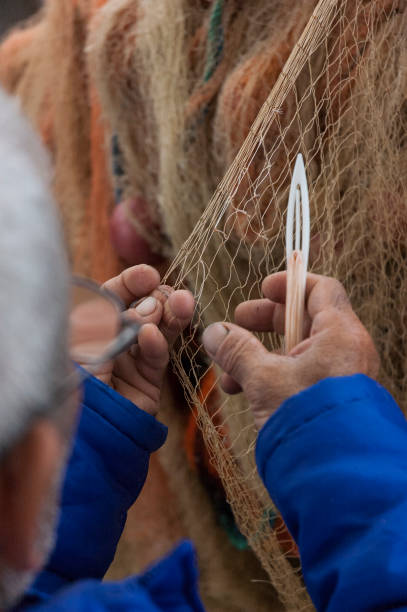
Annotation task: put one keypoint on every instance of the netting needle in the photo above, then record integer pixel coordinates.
(297, 252)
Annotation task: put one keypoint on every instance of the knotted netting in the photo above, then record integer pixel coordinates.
(339, 97)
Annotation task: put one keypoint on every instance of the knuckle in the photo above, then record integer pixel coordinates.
(233, 354)
(337, 290)
(266, 282)
(331, 283)
(166, 290)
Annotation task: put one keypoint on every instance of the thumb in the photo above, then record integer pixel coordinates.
(234, 349)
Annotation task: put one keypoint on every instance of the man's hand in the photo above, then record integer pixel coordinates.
(335, 344)
(138, 374)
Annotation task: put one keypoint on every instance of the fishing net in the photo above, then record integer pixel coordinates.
(200, 107)
(339, 97)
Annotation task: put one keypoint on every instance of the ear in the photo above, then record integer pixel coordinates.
(26, 476)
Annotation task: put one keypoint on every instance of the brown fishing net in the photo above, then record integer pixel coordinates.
(176, 94)
(339, 97)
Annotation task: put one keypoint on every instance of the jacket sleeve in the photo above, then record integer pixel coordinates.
(169, 586)
(334, 460)
(105, 473)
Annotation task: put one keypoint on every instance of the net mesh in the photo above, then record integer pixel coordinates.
(211, 101)
(337, 73)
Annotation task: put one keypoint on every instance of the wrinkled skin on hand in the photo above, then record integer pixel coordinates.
(335, 344)
(138, 373)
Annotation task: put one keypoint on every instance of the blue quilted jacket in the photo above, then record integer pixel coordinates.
(334, 459)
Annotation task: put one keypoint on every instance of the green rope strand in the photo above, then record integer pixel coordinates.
(215, 41)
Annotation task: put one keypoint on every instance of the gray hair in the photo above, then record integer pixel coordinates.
(33, 280)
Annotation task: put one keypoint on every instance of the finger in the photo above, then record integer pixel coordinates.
(149, 357)
(324, 293)
(229, 385)
(235, 350)
(148, 310)
(274, 287)
(134, 283)
(261, 316)
(138, 374)
(153, 352)
(174, 312)
(321, 292)
(177, 314)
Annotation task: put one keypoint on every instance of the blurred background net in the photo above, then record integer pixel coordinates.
(202, 106)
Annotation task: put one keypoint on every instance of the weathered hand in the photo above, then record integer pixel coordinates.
(138, 373)
(335, 344)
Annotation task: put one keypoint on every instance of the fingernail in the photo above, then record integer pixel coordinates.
(213, 336)
(147, 307)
